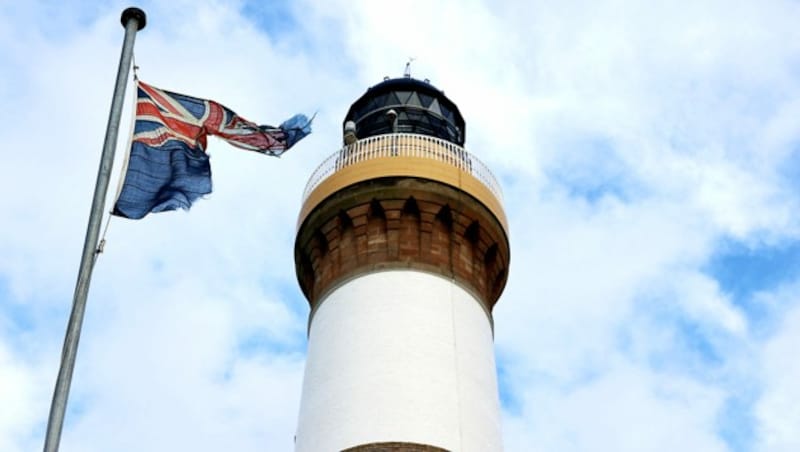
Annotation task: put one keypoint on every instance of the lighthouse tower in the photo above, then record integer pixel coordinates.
(402, 251)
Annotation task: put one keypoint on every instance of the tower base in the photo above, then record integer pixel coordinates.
(395, 447)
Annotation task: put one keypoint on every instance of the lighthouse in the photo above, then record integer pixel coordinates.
(402, 252)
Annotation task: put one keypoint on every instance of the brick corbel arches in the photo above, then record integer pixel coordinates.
(402, 222)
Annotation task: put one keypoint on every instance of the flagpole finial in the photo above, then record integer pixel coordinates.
(134, 13)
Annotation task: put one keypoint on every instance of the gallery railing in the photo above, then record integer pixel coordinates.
(403, 145)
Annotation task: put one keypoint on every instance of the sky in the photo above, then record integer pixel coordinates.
(649, 155)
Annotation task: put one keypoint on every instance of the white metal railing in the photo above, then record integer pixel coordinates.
(403, 145)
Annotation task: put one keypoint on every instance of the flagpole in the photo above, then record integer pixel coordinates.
(133, 19)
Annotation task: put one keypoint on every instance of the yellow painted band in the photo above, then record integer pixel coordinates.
(420, 167)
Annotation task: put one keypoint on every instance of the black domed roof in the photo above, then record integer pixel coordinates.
(419, 106)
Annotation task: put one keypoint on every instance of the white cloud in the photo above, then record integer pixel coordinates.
(623, 409)
(17, 394)
(777, 411)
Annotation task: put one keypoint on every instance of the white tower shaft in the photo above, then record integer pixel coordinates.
(400, 356)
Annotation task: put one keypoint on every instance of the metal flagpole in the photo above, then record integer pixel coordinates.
(133, 19)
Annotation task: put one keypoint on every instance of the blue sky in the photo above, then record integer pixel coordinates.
(649, 159)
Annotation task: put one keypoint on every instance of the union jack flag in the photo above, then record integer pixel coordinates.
(168, 168)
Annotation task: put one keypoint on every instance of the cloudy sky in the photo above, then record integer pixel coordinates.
(649, 154)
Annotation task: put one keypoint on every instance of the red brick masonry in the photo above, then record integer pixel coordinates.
(402, 222)
(395, 447)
